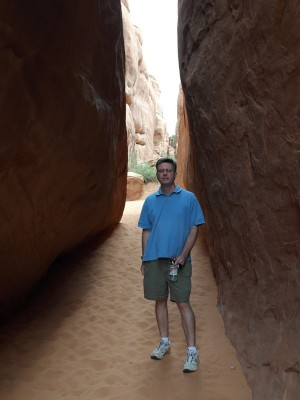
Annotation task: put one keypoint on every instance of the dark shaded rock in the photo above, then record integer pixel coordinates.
(63, 138)
(239, 65)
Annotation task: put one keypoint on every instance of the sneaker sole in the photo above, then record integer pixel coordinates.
(189, 370)
(157, 358)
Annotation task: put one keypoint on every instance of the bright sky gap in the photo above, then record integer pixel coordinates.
(157, 20)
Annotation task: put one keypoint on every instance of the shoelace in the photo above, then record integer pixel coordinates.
(191, 356)
(162, 345)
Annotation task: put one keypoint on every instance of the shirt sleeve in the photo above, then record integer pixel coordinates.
(144, 221)
(197, 217)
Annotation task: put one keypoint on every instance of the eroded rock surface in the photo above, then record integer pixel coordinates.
(135, 186)
(239, 64)
(183, 142)
(63, 135)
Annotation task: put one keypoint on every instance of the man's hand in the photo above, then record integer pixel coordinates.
(180, 260)
(190, 241)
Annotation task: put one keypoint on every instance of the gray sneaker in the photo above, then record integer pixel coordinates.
(191, 362)
(161, 350)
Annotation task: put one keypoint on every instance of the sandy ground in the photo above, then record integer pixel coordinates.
(87, 333)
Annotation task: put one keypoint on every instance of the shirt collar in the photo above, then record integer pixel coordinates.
(177, 189)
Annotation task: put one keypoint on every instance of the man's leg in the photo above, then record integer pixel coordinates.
(188, 323)
(191, 361)
(161, 313)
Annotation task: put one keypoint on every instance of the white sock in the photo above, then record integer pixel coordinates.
(192, 349)
(165, 339)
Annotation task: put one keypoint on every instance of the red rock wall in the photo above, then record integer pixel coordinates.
(183, 156)
(63, 138)
(239, 65)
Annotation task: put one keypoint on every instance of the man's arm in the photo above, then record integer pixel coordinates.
(145, 236)
(189, 244)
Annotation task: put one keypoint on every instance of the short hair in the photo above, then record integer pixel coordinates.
(166, 160)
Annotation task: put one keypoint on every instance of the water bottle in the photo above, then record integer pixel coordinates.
(173, 270)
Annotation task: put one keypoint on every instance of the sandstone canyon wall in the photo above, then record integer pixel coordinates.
(63, 135)
(239, 65)
(146, 127)
(183, 143)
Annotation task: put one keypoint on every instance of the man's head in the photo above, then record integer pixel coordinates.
(166, 160)
(166, 172)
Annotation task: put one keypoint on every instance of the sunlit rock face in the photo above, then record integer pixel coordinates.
(135, 186)
(183, 142)
(146, 126)
(63, 135)
(239, 64)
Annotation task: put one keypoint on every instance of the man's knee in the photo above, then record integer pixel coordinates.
(160, 303)
(183, 306)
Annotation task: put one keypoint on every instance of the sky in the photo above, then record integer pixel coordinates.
(157, 20)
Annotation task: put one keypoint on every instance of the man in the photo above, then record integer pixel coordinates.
(170, 219)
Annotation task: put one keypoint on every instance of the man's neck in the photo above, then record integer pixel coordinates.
(167, 189)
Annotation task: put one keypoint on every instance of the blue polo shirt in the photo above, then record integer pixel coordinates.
(169, 219)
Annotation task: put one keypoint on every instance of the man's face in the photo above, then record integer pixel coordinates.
(165, 174)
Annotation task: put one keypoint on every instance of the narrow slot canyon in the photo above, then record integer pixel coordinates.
(78, 109)
(87, 332)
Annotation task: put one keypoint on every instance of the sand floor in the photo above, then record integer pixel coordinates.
(87, 333)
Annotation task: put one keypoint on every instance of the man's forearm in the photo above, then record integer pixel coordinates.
(145, 236)
(190, 241)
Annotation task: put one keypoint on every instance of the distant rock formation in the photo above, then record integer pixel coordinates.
(63, 134)
(239, 65)
(135, 186)
(146, 127)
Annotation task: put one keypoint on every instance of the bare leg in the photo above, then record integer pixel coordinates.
(161, 313)
(188, 323)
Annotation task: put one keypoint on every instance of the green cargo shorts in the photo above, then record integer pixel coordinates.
(157, 286)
